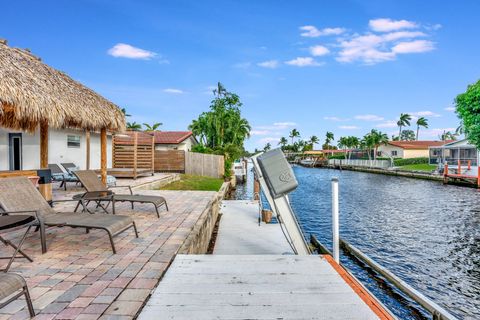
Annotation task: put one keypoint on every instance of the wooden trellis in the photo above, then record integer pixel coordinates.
(133, 154)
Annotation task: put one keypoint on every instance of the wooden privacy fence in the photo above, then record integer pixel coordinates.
(202, 164)
(133, 154)
(193, 163)
(170, 161)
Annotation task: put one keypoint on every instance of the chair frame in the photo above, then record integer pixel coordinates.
(28, 299)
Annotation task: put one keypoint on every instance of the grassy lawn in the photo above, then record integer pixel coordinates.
(419, 167)
(188, 182)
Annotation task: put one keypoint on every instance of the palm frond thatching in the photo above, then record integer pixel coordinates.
(32, 92)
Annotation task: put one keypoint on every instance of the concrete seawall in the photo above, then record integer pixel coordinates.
(199, 238)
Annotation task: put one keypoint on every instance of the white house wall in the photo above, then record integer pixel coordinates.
(58, 151)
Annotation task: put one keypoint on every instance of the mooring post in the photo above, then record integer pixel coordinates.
(335, 231)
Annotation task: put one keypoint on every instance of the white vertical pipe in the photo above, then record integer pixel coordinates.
(335, 231)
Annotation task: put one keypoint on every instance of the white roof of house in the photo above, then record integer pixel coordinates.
(458, 144)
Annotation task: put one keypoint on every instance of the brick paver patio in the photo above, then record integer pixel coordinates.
(80, 278)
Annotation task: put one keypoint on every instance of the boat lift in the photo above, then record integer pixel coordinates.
(277, 180)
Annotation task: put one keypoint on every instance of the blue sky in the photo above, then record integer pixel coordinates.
(341, 66)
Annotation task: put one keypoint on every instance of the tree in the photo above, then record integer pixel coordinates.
(124, 111)
(294, 134)
(421, 122)
(343, 143)
(134, 126)
(313, 141)
(153, 126)
(403, 121)
(407, 135)
(329, 137)
(267, 147)
(283, 142)
(447, 135)
(378, 138)
(467, 107)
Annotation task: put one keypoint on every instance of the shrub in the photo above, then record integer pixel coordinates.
(404, 162)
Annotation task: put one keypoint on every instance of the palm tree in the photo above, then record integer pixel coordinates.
(377, 138)
(403, 121)
(134, 126)
(313, 141)
(267, 147)
(283, 142)
(447, 135)
(343, 143)
(152, 127)
(294, 134)
(329, 137)
(124, 111)
(421, 122)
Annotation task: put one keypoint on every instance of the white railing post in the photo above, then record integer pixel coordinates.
(335, 231)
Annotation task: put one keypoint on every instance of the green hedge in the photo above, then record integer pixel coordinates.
(404, 162)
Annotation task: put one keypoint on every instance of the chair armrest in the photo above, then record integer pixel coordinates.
(6, 213)
(129, 188)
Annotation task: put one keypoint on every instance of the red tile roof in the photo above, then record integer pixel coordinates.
(170, 137)
(421, 144)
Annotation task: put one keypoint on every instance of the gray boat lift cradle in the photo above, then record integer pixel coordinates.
(277, 179)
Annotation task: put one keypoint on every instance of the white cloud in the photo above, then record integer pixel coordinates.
(313, 32)
(424, 114)
(272, 64)
(123, 50)
(285, 124)
(392, 36)
(369, 117)
(335, 119)
(416, 46)
(259, 132)
(387, 124)
(348, 127)
(174, 91)
(451, 109)
(318, 51)
(386, 24)
(436, 132)
(272, 140)
(303, 62)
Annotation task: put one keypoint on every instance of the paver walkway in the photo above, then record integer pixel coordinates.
(80, 278)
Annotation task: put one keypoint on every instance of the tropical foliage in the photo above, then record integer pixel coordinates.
(468, 110)
(407, 135)
(403, 121)
(222, 129)
(134, 126)
(421, 122)
(153, 126)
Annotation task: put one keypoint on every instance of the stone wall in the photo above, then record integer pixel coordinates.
(199, 239)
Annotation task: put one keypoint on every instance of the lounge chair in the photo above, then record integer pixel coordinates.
(71, 167)
(98, 193)
(12, 286)
(18, 195)
(59, 175)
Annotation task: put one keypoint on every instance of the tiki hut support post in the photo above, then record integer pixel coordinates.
(103, 155)
(45, 188)
(87, 145)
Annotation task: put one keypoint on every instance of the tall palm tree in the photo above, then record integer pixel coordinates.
(124, 111)
(447, 135)
(294, 134)
(343, 143)
(153, 126)
(267, 147)
(377, 138)
(283, 142)
(421, 122)
(329, 137)
(134, 126)
(403, 121)
(313, 141)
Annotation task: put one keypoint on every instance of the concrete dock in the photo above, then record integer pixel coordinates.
(254, 275)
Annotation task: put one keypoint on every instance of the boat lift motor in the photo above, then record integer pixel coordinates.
(277, 179)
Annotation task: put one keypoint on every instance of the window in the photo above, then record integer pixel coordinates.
(394, 153)
(73, 141)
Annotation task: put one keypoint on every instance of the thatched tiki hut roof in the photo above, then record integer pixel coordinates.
(32, 92)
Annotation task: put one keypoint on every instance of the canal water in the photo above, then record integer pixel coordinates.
(426, 233)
